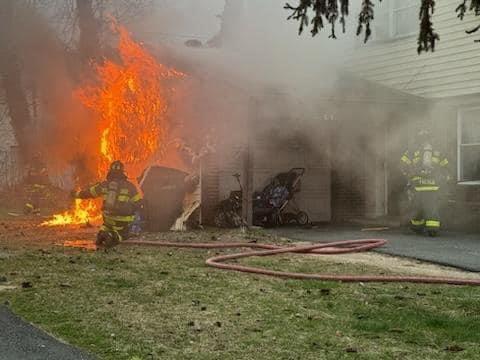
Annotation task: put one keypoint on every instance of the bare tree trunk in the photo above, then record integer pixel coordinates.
(11, 79)
(89, 43)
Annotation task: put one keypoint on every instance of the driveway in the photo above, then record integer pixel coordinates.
(455, 249)
(20, 340)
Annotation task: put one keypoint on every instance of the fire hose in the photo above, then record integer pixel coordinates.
(339, 247)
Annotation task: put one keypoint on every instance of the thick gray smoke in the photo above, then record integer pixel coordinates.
(306, 108)
(254, 83)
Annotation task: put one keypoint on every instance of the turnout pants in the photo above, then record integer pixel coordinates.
(425, 212)
(114, 230)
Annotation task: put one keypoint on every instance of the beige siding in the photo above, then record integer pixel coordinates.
(452, 70)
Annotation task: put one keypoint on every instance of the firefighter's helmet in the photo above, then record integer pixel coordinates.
(423, 137)
(117, 165)
(423, 133)
(117, 171)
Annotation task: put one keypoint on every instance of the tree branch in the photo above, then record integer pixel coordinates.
(462, 10)
(324, 11)
(364, 18)
(427, 37)
(333, 11)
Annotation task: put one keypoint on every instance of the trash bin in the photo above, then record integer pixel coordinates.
(164, 190)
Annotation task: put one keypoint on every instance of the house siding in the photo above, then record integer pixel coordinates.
(210, 188)
(452, 70)
(271, 154)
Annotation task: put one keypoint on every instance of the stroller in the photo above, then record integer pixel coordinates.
(269, 205)
(275, 205)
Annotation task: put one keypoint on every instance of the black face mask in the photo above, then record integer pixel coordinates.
(116, 175)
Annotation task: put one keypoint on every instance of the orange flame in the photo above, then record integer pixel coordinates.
(130, 101)
(85, 211)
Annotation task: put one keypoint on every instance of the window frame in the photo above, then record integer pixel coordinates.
(392, 21)
(389, 33)
(460, 145)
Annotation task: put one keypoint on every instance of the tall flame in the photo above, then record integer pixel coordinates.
(129, 101)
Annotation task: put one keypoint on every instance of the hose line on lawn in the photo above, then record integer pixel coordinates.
(339, 247)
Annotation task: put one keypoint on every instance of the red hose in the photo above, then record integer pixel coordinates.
(339, 247)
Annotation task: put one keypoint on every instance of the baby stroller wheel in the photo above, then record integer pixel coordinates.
(273, 220)
(302, 218)
(289, 218)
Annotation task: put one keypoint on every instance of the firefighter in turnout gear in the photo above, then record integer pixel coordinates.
(426, 170)
(36, 182)
(121, 200)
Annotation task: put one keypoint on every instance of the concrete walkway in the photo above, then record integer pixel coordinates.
(449, 248)
(21, 341)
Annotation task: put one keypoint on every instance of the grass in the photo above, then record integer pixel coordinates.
(151, 303)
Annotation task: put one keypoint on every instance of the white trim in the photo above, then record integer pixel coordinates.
(390, 20)
(459, 147)
(460, 113)
(469, 183)
(470, 144)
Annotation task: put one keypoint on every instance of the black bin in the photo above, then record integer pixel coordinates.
(164, 190)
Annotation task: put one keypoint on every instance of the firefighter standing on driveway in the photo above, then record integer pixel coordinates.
(426, 170)
(121, 200)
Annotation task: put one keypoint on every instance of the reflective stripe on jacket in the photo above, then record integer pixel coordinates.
(126, 198)
(411, 167)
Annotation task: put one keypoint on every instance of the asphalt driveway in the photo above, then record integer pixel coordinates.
(455, 249)
(20, 340)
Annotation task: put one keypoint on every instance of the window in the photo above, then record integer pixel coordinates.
(404, 17)
(395, 18)
(469, 145)
(381, 24)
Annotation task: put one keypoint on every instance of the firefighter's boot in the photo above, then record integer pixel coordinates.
(107, 239)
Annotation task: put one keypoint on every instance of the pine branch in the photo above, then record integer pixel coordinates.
(324, 11)
(300, 13)
(462, 10)
(336, 11)
(332, 16)
(427, 37)
(364, 18)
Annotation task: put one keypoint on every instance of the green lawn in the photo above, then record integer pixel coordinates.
(153, 303)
